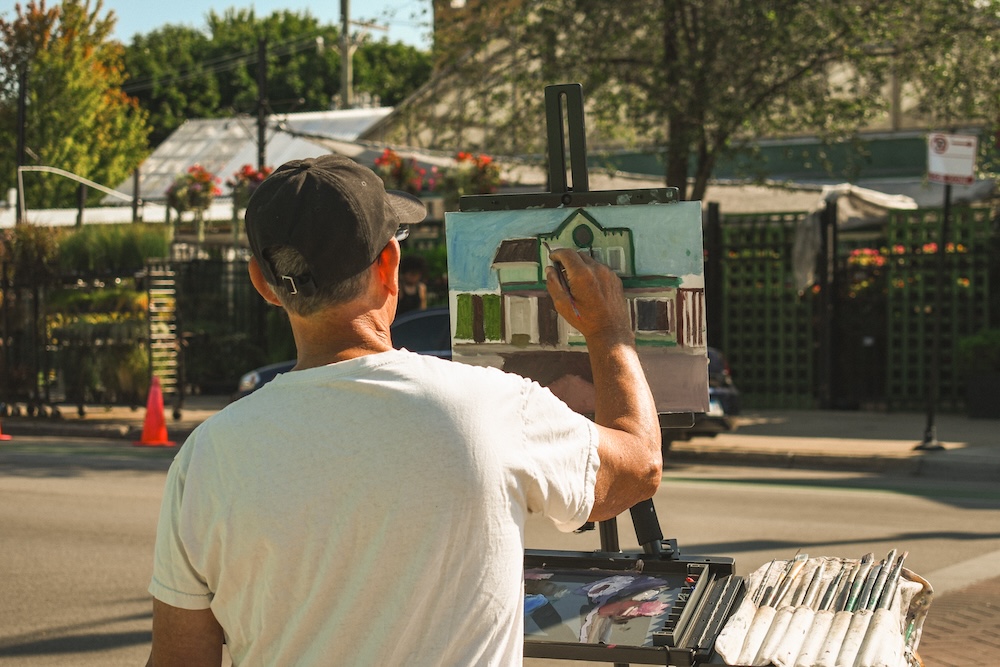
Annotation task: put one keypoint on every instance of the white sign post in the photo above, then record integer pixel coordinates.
(951, 159)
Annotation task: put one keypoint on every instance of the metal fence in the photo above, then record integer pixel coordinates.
(864, 335)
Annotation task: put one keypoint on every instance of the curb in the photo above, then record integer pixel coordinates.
(930, 464)
(57, 429)
(107, 431)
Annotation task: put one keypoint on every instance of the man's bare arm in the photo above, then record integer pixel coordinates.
(185, 638)
(631, 463)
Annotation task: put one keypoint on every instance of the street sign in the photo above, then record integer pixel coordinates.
(951, 158)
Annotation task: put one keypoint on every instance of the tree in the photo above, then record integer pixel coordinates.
(178, 73)
(390, 70)
(77, 117)
(700, 79)
(169, 74)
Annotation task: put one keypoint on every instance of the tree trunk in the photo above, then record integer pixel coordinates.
(677, 157)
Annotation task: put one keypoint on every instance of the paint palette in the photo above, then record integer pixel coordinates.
(624, 609)
(600, 606)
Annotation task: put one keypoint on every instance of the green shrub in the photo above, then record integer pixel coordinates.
(112, 249)
(980, 352)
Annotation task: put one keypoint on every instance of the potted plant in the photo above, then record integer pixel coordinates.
(471, 175)
(245, 181)
(979, 360)
(404, 174)
(194, 190)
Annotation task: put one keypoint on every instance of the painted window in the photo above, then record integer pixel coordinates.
(652, 315)
(583, 236)
(616, 259)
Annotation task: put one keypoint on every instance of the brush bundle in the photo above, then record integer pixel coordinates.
(828, 612)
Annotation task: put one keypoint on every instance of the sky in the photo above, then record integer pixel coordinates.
(408, 21)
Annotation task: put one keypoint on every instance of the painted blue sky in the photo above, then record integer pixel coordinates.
(667, 239)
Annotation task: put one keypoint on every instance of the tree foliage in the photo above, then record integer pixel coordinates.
(700, 79)
(178, 73)
(77, 118)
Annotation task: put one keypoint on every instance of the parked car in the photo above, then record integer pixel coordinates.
(723, 406)
(424, 331)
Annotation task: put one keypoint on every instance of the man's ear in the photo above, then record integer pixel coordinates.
(260, 283)
(387, 266)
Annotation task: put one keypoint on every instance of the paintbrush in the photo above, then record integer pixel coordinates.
(866, 592)
(877, 648)
(561, 274)
(833, 588)
(823, 618)
(761, 588)
(861, 621)
(797, 564)
(883, 576)
(833, 642)
(786, 650)
(892, 583)
(859, 581)
(783, 616)
(761, 622)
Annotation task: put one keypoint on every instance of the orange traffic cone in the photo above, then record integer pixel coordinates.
(154, 428)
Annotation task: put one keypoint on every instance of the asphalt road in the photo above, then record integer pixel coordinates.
(77, 527)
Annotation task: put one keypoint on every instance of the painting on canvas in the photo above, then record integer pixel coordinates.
(502, 315)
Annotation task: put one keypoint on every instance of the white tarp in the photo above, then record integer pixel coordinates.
(856, 207)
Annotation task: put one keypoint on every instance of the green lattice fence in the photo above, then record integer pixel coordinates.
(768, 329)
(912, 288)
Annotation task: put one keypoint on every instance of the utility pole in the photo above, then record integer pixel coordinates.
(261, 103)
(346, 56)
(22, 101)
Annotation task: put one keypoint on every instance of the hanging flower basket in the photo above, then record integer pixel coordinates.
(405, 175)
(193, 190)
(471, 175)
(245, 181)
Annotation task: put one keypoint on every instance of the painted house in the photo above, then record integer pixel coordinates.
(663, 313)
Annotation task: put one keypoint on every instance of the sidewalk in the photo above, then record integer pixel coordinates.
(851, 440)
(964, 628)
(818, 439)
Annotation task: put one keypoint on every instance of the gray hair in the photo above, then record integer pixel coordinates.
(288, 262)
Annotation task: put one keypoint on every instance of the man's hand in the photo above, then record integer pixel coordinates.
(590, 296)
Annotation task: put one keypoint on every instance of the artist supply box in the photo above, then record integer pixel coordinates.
(627, 608)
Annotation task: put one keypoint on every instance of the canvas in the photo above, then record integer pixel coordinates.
(502, 315)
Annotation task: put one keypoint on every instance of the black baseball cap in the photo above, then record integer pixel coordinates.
(335, 212)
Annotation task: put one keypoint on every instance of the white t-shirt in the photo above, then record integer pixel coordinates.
(371, 512)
